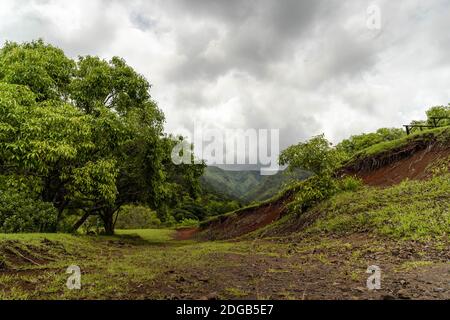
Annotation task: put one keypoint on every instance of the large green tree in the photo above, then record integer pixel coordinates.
(41, 67)
(85, 136)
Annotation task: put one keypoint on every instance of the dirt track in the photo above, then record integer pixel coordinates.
(185, 233)
(311, 269)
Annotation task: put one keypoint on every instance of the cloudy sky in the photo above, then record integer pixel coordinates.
(304, 67)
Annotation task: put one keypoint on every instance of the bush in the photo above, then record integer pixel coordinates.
(360, 142)
(349, 183)
(311, 192)
(188, 223)
(137, 217)
(180, 214)
(21, 213)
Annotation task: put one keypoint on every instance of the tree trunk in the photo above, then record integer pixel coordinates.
(81, 221)
(108, 221)
(61, 208)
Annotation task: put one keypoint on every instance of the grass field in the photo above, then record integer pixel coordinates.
(149, 264)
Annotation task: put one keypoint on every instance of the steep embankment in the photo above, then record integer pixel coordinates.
(391, 162)
(248, 219)
(243, 221)
(385, 164)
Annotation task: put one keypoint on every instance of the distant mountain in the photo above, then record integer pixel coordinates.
(246, 186)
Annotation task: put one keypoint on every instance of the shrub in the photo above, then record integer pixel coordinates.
(311, 192)
(188, 223)
(350, 183)
(21, 213)
(315, 155)
(137, 217)
(360, 142)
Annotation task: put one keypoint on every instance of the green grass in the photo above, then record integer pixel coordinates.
(411, 265)
(439, 134)
(412, 210)
(112, 266)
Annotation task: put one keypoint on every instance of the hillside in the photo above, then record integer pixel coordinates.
(246, 186)
(386, 164)
(391, 162)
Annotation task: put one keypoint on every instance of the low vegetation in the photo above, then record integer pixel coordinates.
(417, 210)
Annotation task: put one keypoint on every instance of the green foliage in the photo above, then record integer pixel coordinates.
(433, 112)
(21, 213)
(349, 183)
(187, 223)
(96, 180)
(312, 191)
(189, 210)
(218, 207)
(113, 84)
(316, 155)
(439, 111)
(183, 179)
(440, 135)
(412, 210)
(85, 136)
(41, 67)
(357, 143)
(137, 217)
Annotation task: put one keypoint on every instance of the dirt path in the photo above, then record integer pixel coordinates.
(280, 268)
(318, 269)
(186, 233)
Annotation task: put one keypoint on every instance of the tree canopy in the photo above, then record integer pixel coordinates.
(84, 136)
(316, 155)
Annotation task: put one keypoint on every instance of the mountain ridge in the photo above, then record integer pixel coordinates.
(246, 186)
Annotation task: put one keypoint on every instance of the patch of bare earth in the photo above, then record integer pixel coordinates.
(409, 163)
(334, 269)
(186, 233)
(244, 221)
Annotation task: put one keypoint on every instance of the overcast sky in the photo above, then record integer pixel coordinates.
(305, 67)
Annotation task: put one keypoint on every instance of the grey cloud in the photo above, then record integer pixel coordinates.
(304, 67)
(93, 35)
(257, 34)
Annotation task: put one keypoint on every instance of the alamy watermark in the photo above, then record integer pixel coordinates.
(74, 281)
(374, 280)
(373, 20)
(259, 147)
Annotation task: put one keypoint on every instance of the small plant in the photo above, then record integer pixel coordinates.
(313, 190)
(188, 223)
(350, 183)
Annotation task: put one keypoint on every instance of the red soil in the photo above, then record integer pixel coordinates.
(412, 167)
(243, 222)
(185, 233)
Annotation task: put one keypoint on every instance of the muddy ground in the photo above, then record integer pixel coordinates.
(283, 268)
(327, 269)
